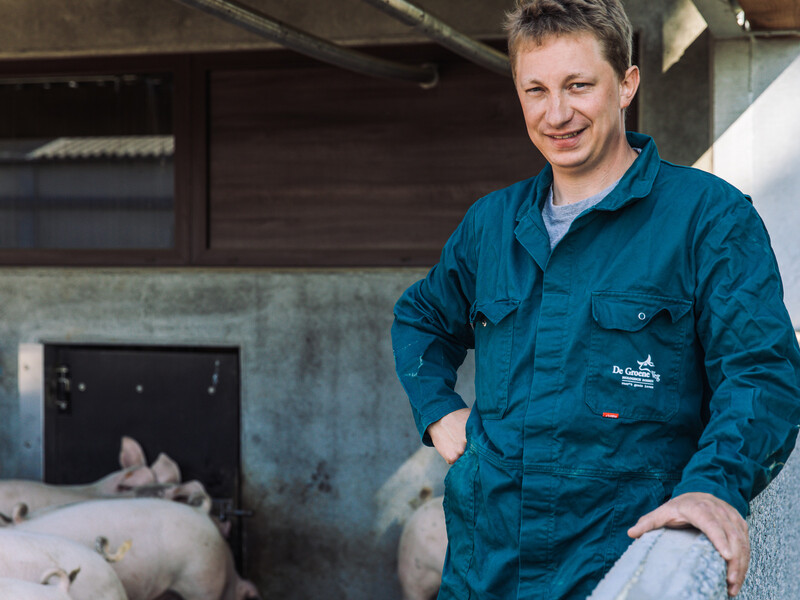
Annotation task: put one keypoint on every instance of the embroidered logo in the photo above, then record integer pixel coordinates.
(644, 377)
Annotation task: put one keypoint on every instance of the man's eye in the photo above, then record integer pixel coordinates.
(534, 90)
(578, 85)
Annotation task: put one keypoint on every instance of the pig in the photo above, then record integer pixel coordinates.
(17, 589)
(175, 547)
(134, 473)
(421, 551)
(27, 555)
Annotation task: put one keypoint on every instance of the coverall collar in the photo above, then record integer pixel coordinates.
(636, 183)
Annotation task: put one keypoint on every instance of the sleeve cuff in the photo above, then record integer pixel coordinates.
(721, 492)
(441, 410)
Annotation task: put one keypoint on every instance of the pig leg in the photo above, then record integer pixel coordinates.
(203, 580)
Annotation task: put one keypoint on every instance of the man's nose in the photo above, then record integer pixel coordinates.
(559, 111)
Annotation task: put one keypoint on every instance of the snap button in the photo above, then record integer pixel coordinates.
(483, 322)
(642, 316)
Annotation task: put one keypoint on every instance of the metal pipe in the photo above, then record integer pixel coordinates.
(311, 45)
(473, 50)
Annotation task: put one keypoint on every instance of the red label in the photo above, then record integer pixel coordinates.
(611, 415)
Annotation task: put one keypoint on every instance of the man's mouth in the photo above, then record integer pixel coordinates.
(566, 136)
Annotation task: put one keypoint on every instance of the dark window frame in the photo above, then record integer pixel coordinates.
(179, 67)
(191, 114)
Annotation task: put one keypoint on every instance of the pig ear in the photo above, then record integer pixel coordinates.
(131, 453)
(166, 469)
(136, 477)
(19, 512)
(185, 492)
(245, 589)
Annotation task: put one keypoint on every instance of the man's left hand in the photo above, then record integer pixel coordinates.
(722, 524)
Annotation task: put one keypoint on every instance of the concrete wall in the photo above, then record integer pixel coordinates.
(331, 460)
(675, 92)
(756, 125)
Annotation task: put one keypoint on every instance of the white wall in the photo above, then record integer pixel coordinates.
(756, 126)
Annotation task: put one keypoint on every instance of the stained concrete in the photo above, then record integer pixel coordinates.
(331, 460)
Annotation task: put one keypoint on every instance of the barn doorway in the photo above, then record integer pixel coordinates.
(183, 401)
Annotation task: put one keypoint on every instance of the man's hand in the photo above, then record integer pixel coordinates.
(722, 524)
(449, 434)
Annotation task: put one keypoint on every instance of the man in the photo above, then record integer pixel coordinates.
(633, 354)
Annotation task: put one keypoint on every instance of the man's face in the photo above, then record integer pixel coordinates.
(572, 101)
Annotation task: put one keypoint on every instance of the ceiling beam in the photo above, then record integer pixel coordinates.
(720, 17)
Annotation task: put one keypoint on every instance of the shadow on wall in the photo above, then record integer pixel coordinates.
(756, 148)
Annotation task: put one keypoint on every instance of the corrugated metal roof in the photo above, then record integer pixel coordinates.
(132, 146)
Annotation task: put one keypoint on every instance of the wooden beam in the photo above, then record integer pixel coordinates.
(771, 15)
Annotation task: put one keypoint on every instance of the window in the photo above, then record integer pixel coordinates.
(88, 169)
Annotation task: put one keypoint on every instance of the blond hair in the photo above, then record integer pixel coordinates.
(534, 20)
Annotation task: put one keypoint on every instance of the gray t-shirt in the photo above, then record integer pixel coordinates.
(557, 219)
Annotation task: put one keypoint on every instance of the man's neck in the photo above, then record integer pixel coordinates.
(569, 188)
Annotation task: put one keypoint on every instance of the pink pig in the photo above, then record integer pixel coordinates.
(27, 555)
(16, 589)
(174, 547)
(421, 552)
(24, 590)
(134, 473)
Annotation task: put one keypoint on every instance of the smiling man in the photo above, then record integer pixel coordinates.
(635, 365)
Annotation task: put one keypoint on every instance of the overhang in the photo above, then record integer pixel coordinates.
(772, 15)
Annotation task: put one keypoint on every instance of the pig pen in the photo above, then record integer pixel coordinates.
(331, 464)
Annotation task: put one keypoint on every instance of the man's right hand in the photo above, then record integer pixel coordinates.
(449, 434)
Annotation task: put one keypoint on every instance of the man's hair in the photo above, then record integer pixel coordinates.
(532, 21)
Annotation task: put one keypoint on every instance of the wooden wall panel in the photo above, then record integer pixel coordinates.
(313, 165)
(772, 14)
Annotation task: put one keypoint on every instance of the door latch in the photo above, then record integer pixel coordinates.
(63, 389)
(223, 509)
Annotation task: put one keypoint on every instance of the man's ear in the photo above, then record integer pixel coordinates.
(628, 86)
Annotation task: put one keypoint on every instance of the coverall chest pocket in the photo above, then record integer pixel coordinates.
(637, 343)
(494, 335)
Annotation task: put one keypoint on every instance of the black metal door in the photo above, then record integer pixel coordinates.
(183, 401)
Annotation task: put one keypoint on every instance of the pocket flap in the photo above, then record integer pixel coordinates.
(631, 312)
(494, 311)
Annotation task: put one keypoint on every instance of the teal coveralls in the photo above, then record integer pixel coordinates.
(648, 355)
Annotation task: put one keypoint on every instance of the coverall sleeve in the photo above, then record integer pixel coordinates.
(752, 361)
(431, 332)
